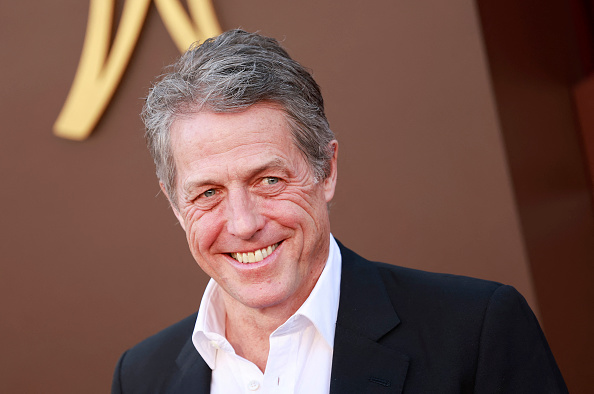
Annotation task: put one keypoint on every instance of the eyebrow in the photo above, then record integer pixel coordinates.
(274, 164)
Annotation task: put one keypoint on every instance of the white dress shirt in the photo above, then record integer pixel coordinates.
(300, 357)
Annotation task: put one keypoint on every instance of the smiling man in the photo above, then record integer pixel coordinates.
(255, 216)
(248, 162)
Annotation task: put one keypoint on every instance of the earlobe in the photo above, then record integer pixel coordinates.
(330, 181)
(173, 206)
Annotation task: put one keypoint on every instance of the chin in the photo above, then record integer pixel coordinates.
(262, 301)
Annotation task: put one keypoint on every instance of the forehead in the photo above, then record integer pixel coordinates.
(205, 141)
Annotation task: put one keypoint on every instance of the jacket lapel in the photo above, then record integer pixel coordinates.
(361, 364)
(193, 374)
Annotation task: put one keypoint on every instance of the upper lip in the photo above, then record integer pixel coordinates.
(255, 249)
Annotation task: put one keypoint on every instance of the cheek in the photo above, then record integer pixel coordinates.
(293, 210)
(310, 200)
(203, 229)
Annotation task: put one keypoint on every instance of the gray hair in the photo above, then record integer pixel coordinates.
(230, 73)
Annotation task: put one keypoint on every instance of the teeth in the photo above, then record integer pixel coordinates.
(254, 257)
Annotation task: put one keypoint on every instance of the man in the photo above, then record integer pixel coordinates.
(248, 162)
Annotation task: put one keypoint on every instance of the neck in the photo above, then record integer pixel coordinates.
(248, 329)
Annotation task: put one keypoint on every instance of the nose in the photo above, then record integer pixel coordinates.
(243, 218)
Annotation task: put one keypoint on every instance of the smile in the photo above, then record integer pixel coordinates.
(255, 256)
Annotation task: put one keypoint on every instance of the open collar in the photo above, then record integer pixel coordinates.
(360, 364)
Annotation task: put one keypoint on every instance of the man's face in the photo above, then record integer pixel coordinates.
(255, 218)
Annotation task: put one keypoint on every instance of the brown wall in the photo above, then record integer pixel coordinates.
(93, 260)
(535, 63)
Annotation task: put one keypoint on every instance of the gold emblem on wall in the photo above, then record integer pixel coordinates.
(100, 69)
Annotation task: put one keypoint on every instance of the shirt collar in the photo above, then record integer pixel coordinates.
(320, 308)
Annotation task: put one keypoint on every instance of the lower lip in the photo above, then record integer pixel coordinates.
(269, 259)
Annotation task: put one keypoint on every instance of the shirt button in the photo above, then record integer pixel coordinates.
(253, 385)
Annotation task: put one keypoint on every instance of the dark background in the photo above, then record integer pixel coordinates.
(460, 151)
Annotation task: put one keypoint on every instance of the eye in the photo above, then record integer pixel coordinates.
(270, 180)
(209, 193)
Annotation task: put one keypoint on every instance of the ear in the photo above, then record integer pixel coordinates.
(330, 181)
(174, 208)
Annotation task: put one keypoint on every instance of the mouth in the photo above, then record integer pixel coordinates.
(254, 256)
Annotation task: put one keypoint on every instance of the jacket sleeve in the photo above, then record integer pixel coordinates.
(514, 356)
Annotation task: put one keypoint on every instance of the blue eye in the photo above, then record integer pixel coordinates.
(271, 180)
(209, 193)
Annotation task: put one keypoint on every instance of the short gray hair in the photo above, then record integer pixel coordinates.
(230, 73)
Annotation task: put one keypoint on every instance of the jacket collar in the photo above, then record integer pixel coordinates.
(361, 363)
(193, 374)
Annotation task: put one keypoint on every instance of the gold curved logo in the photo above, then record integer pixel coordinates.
(100, 69)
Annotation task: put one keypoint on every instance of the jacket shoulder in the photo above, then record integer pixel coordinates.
(423, 283)
(146, 367)
(165, 344)
(418, 285)
(422, 299)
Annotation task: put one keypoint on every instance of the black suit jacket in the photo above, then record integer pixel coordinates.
(399, 330)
